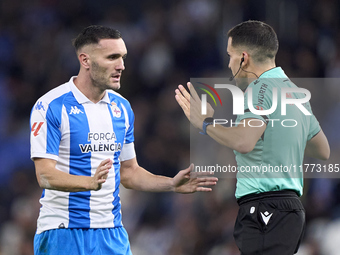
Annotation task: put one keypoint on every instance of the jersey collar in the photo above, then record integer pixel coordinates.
(81, 98)
(275, 72)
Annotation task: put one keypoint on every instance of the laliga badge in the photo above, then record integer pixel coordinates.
(116, 112)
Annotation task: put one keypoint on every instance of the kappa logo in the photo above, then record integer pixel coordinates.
(75, 110)
(266, 217)
(39, 106)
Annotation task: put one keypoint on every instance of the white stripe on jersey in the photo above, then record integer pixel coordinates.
(96, 122)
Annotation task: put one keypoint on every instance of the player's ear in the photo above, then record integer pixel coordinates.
(84, 60)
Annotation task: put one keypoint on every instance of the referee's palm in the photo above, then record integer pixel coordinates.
(191, 105)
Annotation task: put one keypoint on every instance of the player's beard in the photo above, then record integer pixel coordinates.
(101, 78)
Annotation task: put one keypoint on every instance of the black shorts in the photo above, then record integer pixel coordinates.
(270, 223)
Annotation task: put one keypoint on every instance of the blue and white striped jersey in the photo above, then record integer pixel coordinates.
(67, 127)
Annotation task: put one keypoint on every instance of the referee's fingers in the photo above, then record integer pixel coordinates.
(185, 93)
(193, 92)
(182, 101)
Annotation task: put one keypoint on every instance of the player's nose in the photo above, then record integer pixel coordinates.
(120, 65)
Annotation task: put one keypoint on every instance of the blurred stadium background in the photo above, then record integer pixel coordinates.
(168, 42)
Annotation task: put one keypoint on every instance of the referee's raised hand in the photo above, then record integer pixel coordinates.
(191, 105)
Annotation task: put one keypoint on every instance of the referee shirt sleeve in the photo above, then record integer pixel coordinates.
(314, 127)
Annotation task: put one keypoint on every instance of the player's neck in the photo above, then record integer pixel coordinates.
(85, 85)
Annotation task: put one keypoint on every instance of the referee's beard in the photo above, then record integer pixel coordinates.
(242, 83)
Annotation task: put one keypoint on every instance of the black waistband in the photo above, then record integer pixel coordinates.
(270, 194)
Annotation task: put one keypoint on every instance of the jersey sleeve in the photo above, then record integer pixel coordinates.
(45, 132)
(261, 95)
(314, 127)
(128, 150)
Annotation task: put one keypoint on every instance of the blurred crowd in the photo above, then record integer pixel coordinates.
(168, 42)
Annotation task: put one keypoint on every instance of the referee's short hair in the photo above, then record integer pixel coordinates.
(93, 34)
(258, 37)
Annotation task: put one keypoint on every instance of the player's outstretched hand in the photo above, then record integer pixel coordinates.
(191, 105)
(101, 174)
(185, 182)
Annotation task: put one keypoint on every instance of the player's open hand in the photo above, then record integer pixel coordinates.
(101, 174)
(187, 182)
(191, 105)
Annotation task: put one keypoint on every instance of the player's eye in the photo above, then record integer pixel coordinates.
(113, 57)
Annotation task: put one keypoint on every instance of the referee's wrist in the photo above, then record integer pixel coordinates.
(207, 122)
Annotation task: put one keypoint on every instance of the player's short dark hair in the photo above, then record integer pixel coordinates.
(93, 34)
(258, 36)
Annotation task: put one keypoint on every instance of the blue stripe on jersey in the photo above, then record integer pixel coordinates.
(129, 136)
(31, 116)
(42, 196)
(118, 125)
(80, 164)
(53, 119)
(117, 221)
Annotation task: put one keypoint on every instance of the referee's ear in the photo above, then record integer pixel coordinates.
(245, 57)
(84, 60)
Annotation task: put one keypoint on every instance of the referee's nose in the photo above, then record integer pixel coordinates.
(229, 63)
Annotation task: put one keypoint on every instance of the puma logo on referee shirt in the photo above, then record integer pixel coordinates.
(266, 217)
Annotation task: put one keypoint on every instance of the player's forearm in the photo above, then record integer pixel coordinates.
(141, 179)
(49, 177)
(57, 180)
(232, 137)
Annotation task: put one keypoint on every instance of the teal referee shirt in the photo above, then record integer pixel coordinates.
(275, 163)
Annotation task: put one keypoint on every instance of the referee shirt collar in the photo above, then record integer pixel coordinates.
(81, 98)
(275, 72)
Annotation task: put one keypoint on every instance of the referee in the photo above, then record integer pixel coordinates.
(271, 218)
